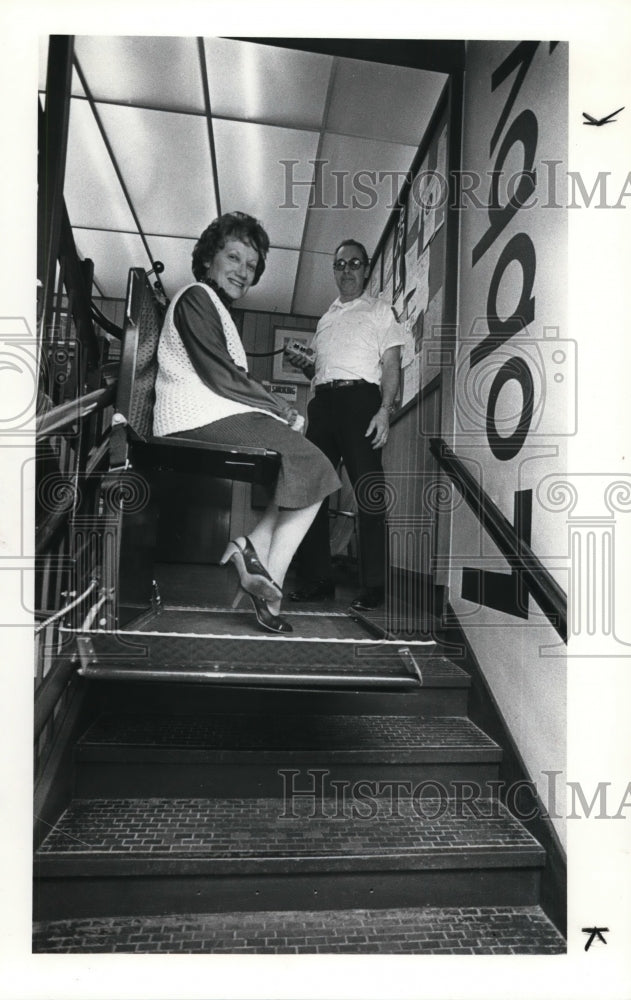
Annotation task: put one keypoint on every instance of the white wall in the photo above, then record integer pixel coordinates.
(509, 125)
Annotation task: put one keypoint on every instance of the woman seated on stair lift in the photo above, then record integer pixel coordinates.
(204, 392)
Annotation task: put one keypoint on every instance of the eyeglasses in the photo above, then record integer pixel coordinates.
(354, 263)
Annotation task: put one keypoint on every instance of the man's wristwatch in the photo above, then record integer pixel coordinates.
(389, 409)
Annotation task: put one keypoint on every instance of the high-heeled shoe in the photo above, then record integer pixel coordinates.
(253, 576)
(268, 621)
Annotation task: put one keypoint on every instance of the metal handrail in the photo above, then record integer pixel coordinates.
(538, 581)
(67, 414)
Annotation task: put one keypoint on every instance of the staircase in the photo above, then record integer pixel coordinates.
(248, 814)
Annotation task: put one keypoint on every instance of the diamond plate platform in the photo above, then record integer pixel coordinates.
(219, 646)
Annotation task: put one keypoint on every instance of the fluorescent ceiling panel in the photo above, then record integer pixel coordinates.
(253, 179)
(151, 72)
(275, 289)
(113, 254)
(354, 212)
(273, 292)
(175, 254)
(315, 287)
(392, 103)
(93, 195)
(165, 162)
(262, 83)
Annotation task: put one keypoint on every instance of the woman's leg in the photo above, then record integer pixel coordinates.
(276, 538)
(261, 535)
(290, 528)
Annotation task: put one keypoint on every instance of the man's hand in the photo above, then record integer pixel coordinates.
(380, 427)
(304, 364)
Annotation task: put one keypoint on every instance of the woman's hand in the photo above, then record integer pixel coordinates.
(295, 419)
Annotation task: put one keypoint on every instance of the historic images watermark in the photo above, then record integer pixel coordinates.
(313, 793)
(364, 188)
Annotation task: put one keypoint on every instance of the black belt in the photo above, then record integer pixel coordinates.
(341, 383)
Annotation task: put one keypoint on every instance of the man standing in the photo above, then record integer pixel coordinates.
(355, 370)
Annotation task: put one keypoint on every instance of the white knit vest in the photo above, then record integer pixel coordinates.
(183, 401)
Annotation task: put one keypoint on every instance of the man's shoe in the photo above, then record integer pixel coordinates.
(369, 599)
(319, 590)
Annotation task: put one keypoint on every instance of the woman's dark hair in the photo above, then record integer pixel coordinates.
(232, 225)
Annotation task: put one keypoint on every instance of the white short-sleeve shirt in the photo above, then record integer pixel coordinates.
(351, 339)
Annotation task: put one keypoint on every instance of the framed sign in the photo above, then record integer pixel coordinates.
(288, 393)
(282, 370)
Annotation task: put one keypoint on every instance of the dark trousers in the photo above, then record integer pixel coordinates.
(338, 420)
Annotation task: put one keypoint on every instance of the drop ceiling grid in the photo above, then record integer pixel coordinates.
(108, 249)
(253, 178)
(268, 104)
(154, 72)
(164, 159)
(93, 195)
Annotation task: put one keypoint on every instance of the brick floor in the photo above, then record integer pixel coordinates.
(383, 826)
(427, 931)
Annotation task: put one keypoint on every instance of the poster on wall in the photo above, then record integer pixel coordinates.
(431, 338)
(375, 278)
(288, 393)
(441, 155)
(414, 221)
(398, 255)
(386, 285)
(433, 207)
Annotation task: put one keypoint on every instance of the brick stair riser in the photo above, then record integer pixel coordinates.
(199, 699)
(92, 896)
(134, 775)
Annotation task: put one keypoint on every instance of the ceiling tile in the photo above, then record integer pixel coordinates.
(175, 254)
(266, 84)
(151, 72)
(315, 285)
(253, 178)
(354, 212)
(165, 162)
(377, 101)
(113, 254)
(377, 116)
(275, 289)
(91, 190)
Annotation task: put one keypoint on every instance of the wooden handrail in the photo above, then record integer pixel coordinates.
(538, 581)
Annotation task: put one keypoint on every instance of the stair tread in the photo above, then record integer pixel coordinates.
(394, 736)
(426, 930)
(248, 833)
(203, 654)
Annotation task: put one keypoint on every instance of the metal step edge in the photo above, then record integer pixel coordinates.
(103, 864)
(253, 677)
